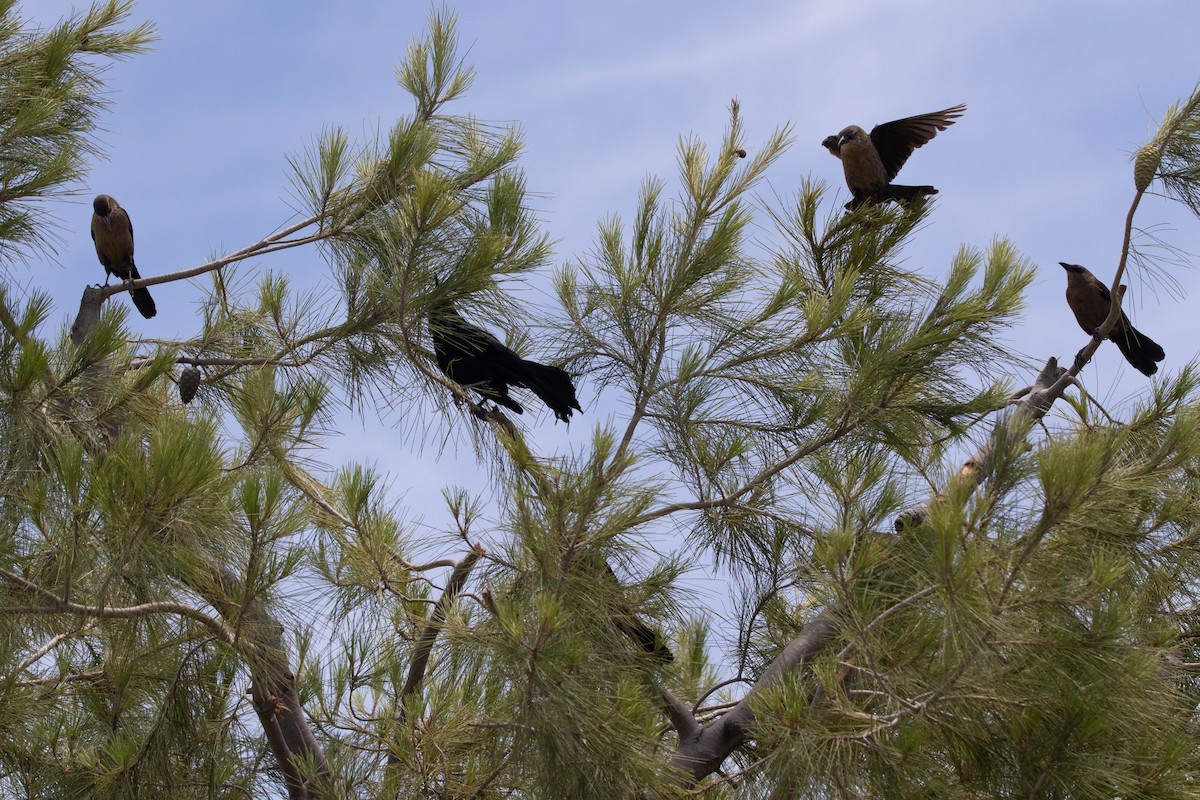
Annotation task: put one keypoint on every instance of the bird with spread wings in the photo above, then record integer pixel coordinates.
(871, 161)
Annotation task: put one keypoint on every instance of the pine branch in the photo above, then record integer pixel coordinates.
(704, 749)
(60, 606)
(433, 626)
(298, 754)
(265, 246)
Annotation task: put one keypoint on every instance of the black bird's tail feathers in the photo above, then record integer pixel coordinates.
(647, 638)
(1139, 350)
(905, 194)
(141, 296)
(478, 360)
(553, 386)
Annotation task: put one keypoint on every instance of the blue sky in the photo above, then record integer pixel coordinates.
(1058, 94)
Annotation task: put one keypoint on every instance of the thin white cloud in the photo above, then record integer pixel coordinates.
(769, 34)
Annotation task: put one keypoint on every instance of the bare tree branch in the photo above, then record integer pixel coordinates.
(702, 750)
(458, 578)
(61, 606)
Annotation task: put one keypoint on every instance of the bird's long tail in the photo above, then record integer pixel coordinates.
(141, 296)
(1139, 350)
(646, 637)
(553, 386)
(905, 194)
(144, 302)
(633, 626)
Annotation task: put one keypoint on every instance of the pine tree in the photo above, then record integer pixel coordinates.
(192, 607)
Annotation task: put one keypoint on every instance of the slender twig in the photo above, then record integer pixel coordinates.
(754, 482)
(304, 483)
(270, 244)
(696, 707)
(491, 776)
(61, 606)
(54, 641)
(1078, 384)
(887, 612)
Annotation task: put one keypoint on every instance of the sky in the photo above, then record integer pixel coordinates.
(1058, 93)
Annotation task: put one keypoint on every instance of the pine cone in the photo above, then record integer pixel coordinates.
(189, 382)
(1145, 165)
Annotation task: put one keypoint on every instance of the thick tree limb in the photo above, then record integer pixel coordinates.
(433, 626)
(302, 761)
(682, 718)
(702, 749)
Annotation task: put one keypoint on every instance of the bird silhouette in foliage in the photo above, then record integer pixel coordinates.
(477, 360)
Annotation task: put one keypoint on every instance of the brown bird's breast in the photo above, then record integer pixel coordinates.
(1089, 308)
(114, 242)
(864, 171)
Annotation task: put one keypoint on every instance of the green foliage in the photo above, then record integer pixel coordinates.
(1013, 646)
(52, 93)
(782, 386)
(1173, 154)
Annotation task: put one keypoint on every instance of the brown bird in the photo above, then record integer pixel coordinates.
(871, 161)
(112, 233)
(1090, 301)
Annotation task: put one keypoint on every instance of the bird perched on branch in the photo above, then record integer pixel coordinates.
(472, 357)
(871, 161)
(1090, 301)
(633, 626)
(112, 233)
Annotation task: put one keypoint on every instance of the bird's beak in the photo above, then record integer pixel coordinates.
(1064, 265)
(106, 222)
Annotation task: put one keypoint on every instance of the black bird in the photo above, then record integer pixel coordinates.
(633, 626)
(1090, 301)
(472, 357)
(112, 233)
(870, 162)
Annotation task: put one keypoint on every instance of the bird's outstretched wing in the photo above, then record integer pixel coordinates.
(896, 140)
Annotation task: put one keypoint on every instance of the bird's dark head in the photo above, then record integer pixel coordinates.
(1073, 269)
(849, 134)
(103, 206)
(830, 143)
